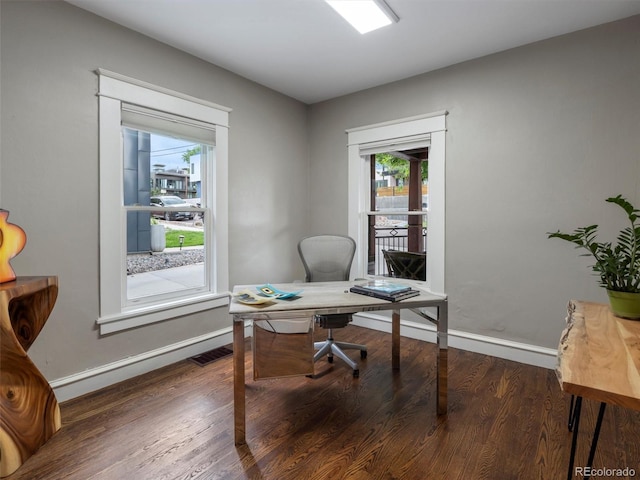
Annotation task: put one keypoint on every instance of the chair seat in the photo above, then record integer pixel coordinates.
(338, 320)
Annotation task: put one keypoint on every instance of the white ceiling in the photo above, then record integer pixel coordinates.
(302, 48)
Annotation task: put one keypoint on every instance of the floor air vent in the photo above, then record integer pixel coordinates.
(211, 356)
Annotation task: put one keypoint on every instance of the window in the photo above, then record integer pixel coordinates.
(163, 204)
(404, 159)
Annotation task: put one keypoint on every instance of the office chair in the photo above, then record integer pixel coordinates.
(328, 258)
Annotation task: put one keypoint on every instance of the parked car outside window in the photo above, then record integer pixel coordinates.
(172, 201)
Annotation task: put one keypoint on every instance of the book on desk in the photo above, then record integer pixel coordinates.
(385, 290)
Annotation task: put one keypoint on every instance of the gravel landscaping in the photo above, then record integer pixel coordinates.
(150, 262)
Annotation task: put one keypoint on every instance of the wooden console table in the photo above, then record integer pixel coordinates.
(598, 358)
(29, 411)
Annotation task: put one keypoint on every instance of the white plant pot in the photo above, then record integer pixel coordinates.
(158, 239)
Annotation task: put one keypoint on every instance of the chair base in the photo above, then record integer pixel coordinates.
(330, 348)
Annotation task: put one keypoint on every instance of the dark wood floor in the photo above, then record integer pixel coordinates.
(506, 421)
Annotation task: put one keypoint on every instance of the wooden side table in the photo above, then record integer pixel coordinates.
(598, 358)
(29, 411)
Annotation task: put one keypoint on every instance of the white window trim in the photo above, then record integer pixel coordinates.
(115, 89)
(425, 129)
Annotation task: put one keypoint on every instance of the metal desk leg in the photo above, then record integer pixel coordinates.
(574, 441)
(239, 400)
(395, 340)
(442, 361)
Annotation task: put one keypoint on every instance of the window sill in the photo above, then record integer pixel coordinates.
(160, 312)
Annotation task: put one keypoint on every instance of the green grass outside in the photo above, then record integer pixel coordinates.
(191, 239)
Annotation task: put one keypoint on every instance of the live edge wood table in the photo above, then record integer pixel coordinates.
(598, 358)
(326, 299)
(29, 412)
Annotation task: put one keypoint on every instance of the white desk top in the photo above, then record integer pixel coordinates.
(329, 298)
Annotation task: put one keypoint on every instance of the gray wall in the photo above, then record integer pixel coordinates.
(537, 138)
(49, 52)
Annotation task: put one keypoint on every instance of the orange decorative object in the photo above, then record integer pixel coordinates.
(12, 240)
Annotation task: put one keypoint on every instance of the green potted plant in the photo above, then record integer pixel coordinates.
(618, 266)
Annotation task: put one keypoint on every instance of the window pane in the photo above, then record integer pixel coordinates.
(385, 236)
(399, 183)
(166, 245)
(392, 183)
(175, 262)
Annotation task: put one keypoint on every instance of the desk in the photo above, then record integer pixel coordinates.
(29, 412)
(325, 299)
(598, 358)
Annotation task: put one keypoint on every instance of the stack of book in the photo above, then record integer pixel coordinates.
(394, 292)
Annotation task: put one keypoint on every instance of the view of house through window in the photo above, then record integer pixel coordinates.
(166, 212)
(397, 226)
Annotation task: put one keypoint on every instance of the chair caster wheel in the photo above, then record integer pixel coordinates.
(356, 373)
(363, 354)
(330, 359)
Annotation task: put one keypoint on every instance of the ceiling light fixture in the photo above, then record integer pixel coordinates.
(365, 15)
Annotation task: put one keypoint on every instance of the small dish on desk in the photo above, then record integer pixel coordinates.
(249, 298)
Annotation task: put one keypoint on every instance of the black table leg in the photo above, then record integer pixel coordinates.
(574, 425)
(594, 442)
(574, 422)
(571, 407)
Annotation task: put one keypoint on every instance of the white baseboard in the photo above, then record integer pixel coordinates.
(87, 381)
(92, 379)
(495, 347)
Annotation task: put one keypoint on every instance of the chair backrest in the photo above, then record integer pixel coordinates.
(327, 257)
(406, 264)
